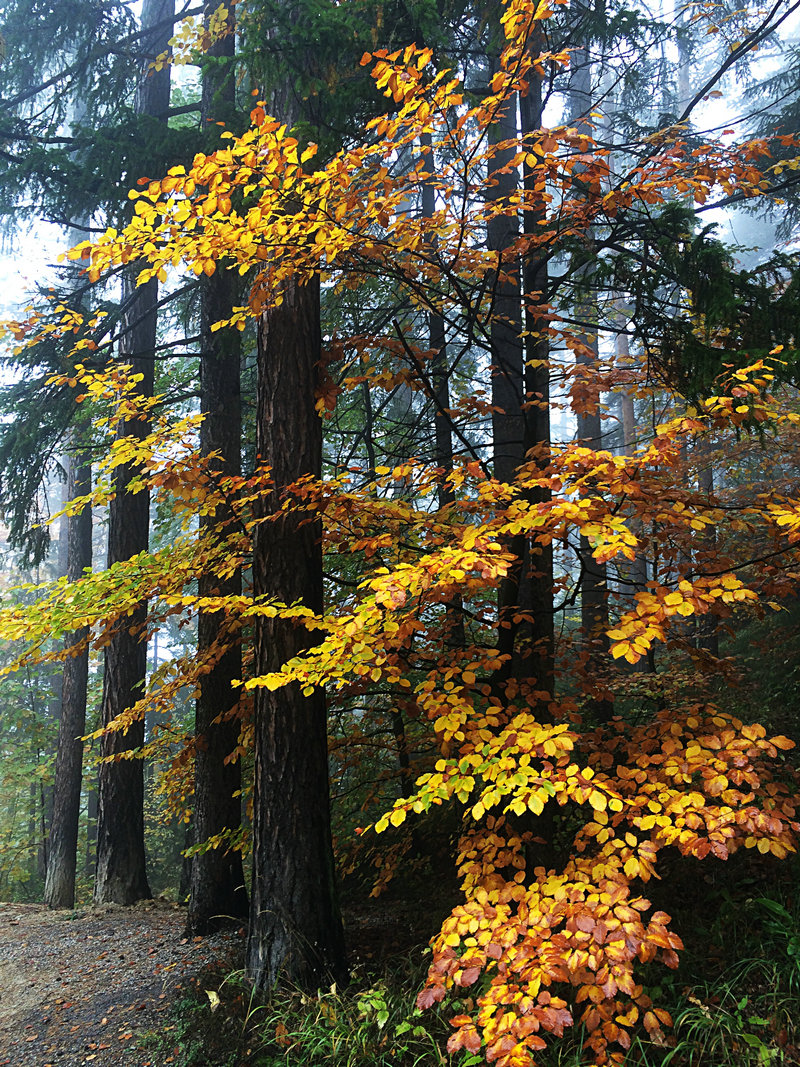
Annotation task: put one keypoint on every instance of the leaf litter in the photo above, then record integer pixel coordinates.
(79, 987)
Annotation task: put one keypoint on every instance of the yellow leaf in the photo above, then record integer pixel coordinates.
(781, 742)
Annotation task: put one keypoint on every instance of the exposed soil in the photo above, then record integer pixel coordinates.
(81, 987)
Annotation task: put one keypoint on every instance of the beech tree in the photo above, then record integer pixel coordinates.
(538, 948)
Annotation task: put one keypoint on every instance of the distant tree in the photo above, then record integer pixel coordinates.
(59, 891)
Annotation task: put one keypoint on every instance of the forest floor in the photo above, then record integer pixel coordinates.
(83, 987)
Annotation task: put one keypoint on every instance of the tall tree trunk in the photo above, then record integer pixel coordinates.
(216, 886)
(56, 683)
(634, 575)
(295, 927)
(59, 889)
(440, 380)
(507, 373)
(121, 874)
(594, 575)
(539, 570)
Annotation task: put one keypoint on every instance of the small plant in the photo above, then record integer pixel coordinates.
(732, 1032)
(373, 1023)
(784, 928)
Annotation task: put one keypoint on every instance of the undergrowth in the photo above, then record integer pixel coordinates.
(735, 997)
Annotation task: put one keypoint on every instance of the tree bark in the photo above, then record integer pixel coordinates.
(121, 875)
(295, 927)
(454, 632)
(594, 575)
(633, 575)
(90, 859)
(507, 372)
(520, 379)
(535, 279)
(216, 886)
(59, 889)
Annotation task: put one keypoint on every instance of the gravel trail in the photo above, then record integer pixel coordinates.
(80, 987)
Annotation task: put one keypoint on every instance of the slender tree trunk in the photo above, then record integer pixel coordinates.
(217, 889)
(636, 574)
(507, 373)
(33, 836)
(594, 575)
(90, 860)
(295, 927)
(121, 873)
(440, 375)
(706, 625)
(539, 576)
(56, 683)
(52, 711)
(60, 884)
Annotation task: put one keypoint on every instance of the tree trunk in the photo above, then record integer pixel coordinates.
(121, 875)
(633, 575)
(90, 859)
(216, 886)
(295, 927)
(539, 566)
(454, 633)
(594, 575)
(62, 861)
(706, 625)
(507, 375)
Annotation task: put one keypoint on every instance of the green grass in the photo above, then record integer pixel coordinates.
(735, 999)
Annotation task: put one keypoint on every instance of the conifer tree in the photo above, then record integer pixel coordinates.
(216, 884)
(62, 852)
(121, 876)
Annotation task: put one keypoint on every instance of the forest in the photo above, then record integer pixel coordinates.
(400, 488)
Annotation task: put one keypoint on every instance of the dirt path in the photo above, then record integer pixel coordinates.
(81, 987)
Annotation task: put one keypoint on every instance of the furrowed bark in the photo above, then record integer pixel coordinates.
(121, 875)
(217, 887)
(295, 928)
